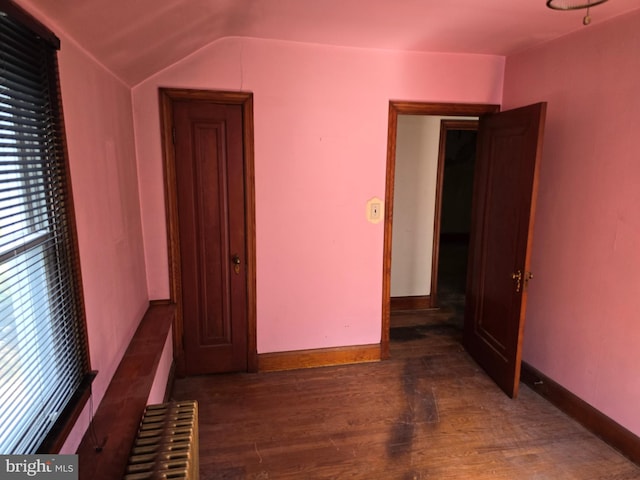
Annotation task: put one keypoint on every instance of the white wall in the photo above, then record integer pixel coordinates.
(417, 144)
(417, 147)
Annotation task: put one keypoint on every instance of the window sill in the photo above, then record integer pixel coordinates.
(55, 440)
(117, 419)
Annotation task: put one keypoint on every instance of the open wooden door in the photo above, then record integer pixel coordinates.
(509, 147)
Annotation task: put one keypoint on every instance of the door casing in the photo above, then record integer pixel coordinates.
(245, 100)
(409, 108)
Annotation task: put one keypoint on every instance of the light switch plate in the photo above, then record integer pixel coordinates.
(375, 209)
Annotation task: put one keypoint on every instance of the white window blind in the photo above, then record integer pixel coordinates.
(43, 357)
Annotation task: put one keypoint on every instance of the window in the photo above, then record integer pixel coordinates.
(43, 353)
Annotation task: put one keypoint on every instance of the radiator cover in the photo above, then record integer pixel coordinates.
(166, 446)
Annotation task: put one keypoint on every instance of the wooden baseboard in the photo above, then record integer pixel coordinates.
(593, 420)
(322, 357)
(417, 302)
(154, 303)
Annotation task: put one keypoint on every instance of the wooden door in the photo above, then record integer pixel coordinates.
(208, 143)
(509, 148)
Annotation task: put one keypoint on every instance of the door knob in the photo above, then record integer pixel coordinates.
(517, 276)
(235, 259)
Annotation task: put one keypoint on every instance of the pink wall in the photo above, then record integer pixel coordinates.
(103, 170)
(583, 316)
(321, 118)
(99, 127)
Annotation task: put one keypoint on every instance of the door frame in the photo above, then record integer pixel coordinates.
(167, 97)
(409, 108)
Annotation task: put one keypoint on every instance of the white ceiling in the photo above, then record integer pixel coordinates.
(136, 38)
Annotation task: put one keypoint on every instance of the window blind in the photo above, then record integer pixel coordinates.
(43, 352)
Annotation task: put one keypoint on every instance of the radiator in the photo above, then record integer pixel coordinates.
(166, 446)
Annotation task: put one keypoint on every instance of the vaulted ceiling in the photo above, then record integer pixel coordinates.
(136, 38)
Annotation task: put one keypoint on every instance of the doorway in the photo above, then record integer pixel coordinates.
(503, 212)
(452, 226)
(209, 190)
(409, 108)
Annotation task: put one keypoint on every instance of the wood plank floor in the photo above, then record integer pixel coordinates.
(428, 413)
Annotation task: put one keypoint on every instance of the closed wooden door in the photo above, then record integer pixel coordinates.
(509, 148)
(208, 143)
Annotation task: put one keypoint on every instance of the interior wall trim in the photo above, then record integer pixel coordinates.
(415, 302)
(321, 357)
(614, 434)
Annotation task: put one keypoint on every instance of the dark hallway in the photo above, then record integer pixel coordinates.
(455, 217)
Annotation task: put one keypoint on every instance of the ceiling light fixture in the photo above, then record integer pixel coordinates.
(575, 5)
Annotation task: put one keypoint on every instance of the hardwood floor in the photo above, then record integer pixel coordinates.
(428, 413)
